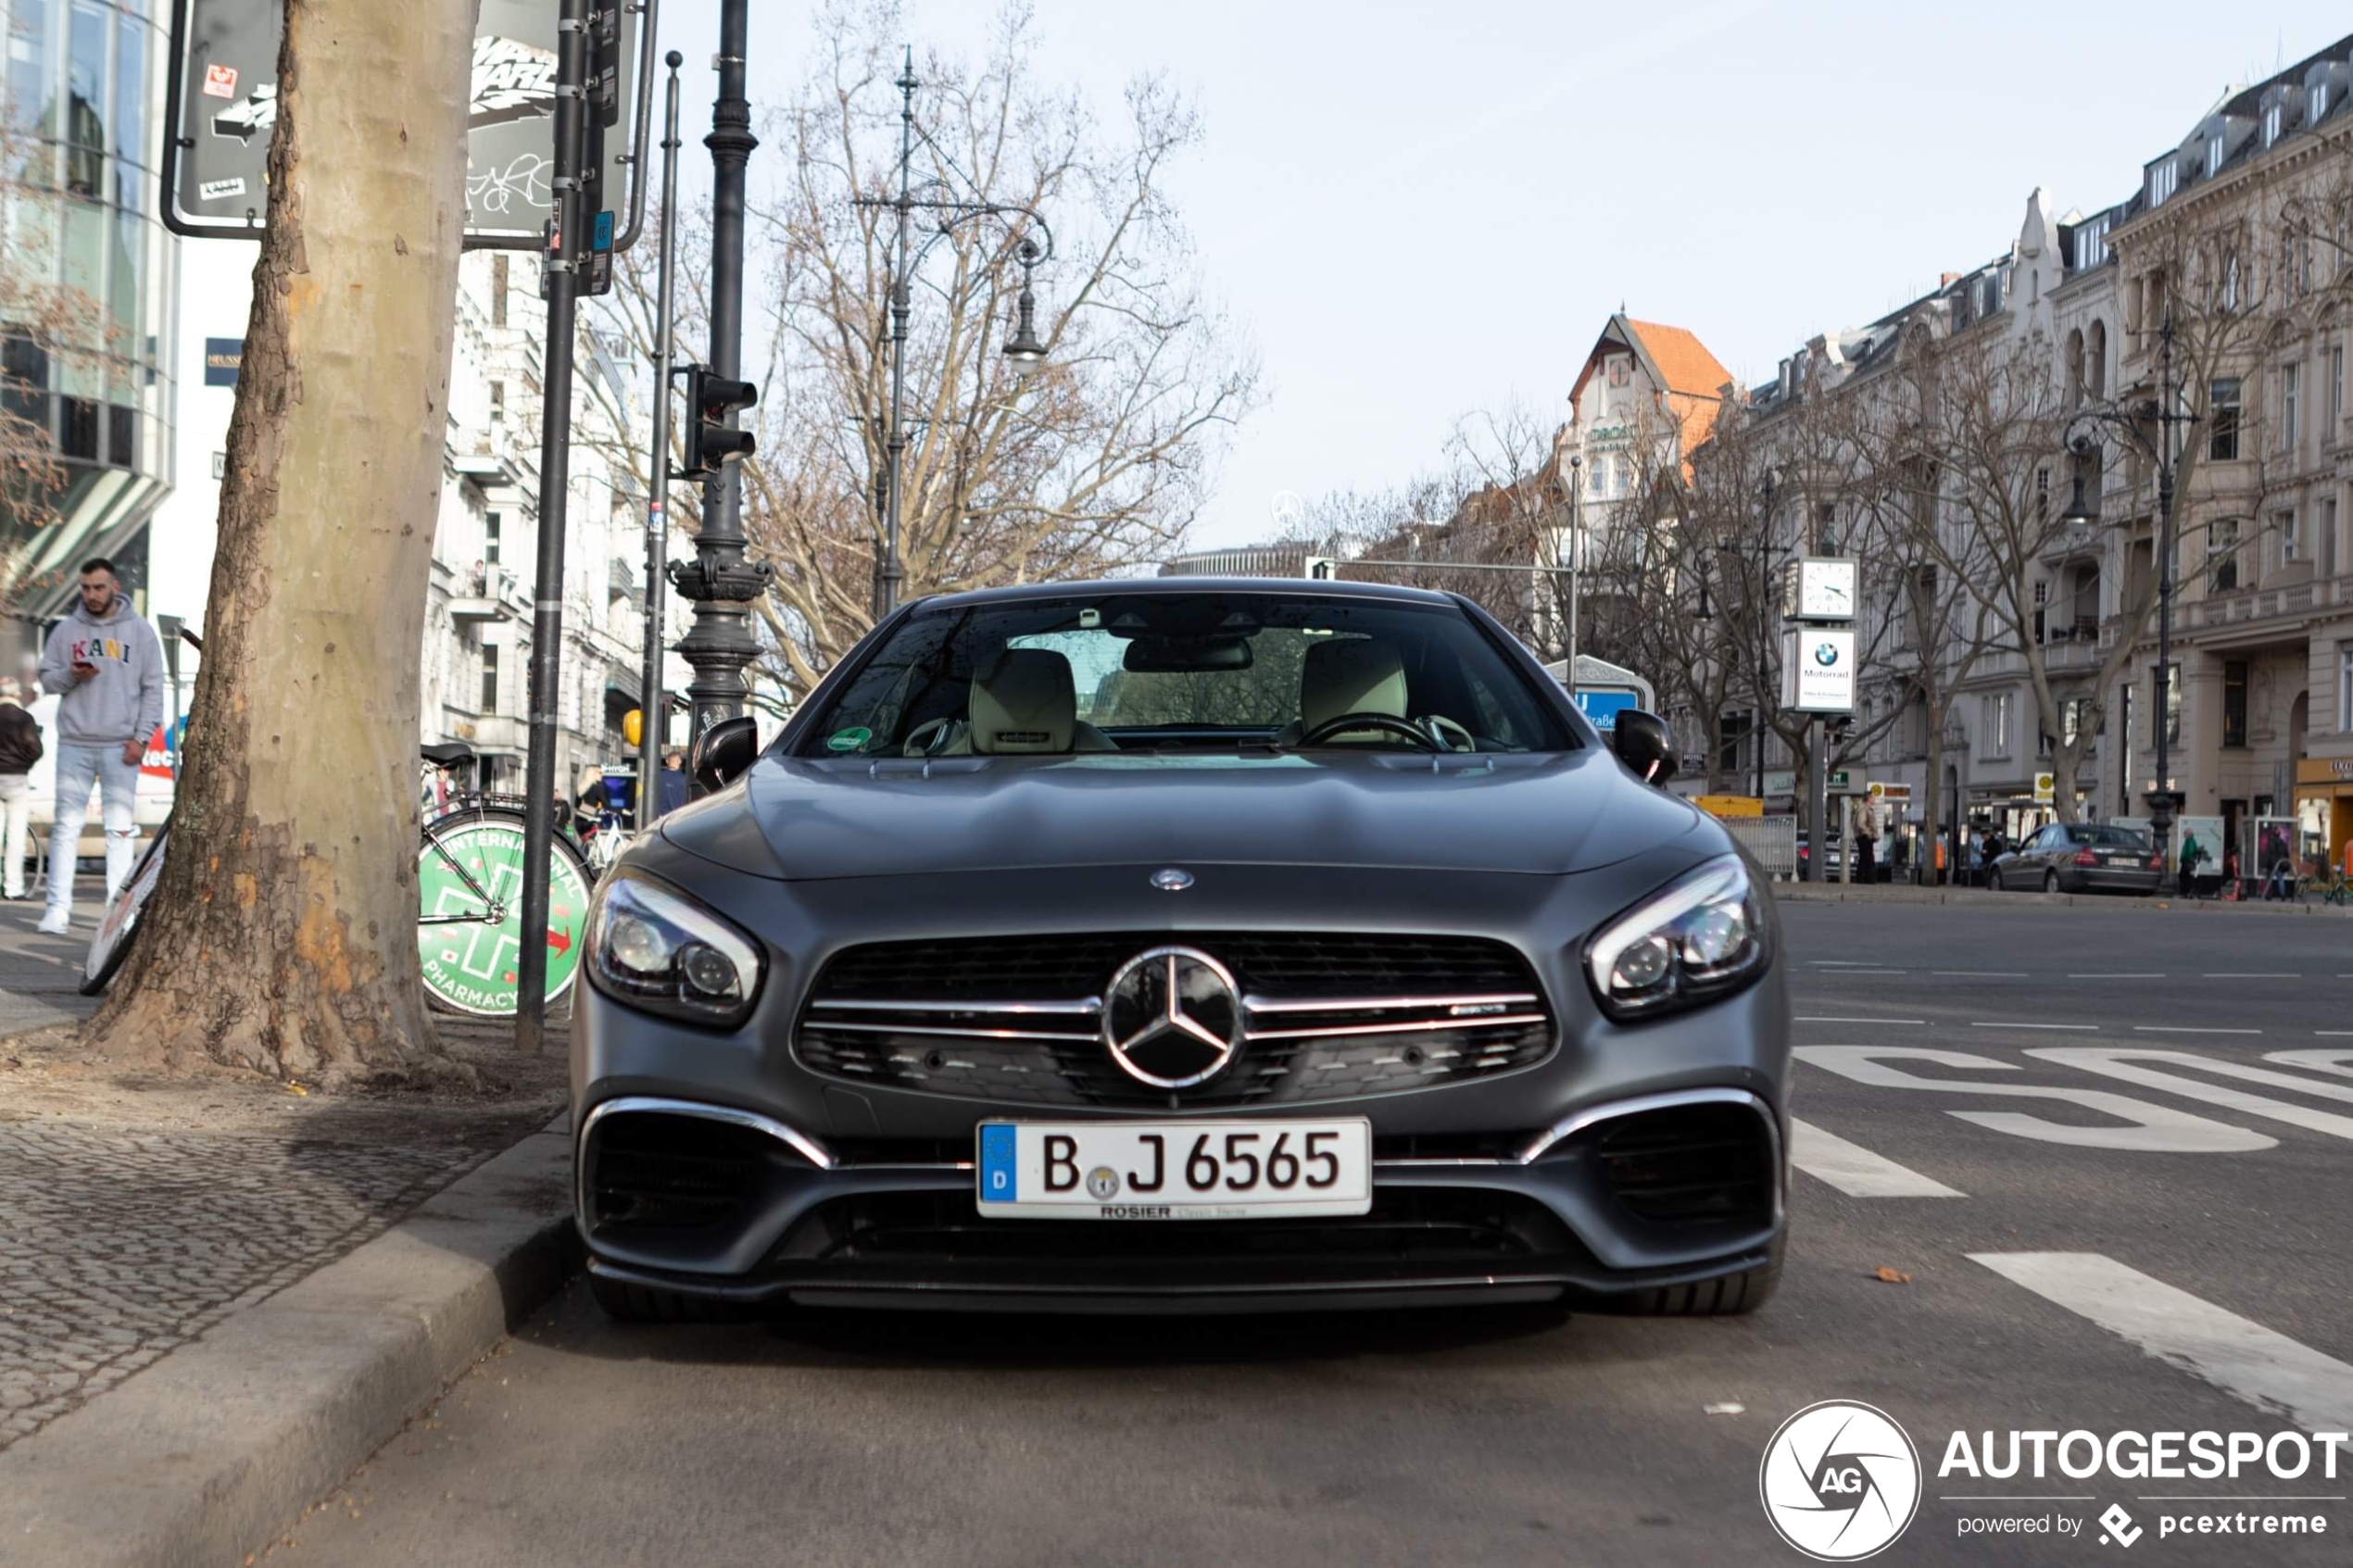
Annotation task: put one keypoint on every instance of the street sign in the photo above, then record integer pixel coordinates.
(1603, 707)
(1836, 781)
(1881, 790)
(2045, 786)
(1818, 670)
(223, 102)
(1729, 805)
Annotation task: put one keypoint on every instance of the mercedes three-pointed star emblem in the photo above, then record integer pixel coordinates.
(1172, 1018)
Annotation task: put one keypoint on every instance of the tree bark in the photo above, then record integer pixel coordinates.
(281, 936)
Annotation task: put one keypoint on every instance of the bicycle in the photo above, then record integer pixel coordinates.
(470, 887)
(470, 907)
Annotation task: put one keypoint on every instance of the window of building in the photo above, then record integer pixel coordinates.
(2043, 494)
(2222, 556)
(1622, 369)
(2344, 688)
(2075, 715)
(2163, 179)
(2213, 156)
(490, 677)
(1997, 724)
(499, 282)
(1733, 729)
(498, 402)
(2291, 398)
(2223, 420)
(2320, 102)
(491, 523)
(2231, 281)
(2284, 524)
(2169, 681)
(2326, 537)
(2235, 702)
(2337, 390)
(2271, 125)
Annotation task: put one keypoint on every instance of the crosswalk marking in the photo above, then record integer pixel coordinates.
(1855, 1170)
(2130, 1063)
(2241, 1357)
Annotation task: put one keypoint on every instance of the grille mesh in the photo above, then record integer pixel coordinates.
(940, 1017)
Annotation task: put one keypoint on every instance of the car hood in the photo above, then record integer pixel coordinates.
(805, 818)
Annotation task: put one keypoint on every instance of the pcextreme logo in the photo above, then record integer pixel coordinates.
(1841, 1481)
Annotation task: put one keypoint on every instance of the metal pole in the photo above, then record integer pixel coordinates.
(2162, 810)
(653, 702)
(893, 573)
(1817, 798)
(562, 283)
(1576, 568)
(718, 579)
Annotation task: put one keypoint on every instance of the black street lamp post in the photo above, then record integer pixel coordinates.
(2132, 420)
(1024, 350)
(720, 581)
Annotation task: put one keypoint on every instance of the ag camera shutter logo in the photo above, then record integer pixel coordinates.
(1841, 1481)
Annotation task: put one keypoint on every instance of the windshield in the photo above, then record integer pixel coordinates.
(1184, 672)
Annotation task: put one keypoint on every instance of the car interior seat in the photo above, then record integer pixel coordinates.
(1348, 675)
(1025, 702)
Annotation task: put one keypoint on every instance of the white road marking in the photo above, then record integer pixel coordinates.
(2332, 1034)
(2154, 1128)
(1846, 972)
(2337, 1062)
(1984, 973)
(2243, 1359)
(1824, 1018)
(1855, 1170)
(2124, 975)
(2251, 974)
(1975, 1024)
(2186, 1029)
(1841, 963)
(2118, 1062)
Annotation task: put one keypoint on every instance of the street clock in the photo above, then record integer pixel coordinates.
(1821, 588)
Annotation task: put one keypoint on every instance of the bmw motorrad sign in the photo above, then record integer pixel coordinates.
(1818, 670)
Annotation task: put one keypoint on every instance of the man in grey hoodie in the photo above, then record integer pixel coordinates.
(106, 665)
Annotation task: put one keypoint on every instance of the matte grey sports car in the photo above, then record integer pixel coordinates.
(1183, 944)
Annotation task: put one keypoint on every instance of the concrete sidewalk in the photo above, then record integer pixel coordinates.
(214, 1451)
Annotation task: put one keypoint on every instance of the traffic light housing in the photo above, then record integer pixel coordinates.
(711, 442)
(1322, 568)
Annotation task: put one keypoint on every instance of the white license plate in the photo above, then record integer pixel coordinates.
(1174, 1169)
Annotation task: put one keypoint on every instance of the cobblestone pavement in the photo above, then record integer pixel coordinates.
(118, 1244)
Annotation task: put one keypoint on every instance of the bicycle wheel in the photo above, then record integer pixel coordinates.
(469, 912)
(110, 944)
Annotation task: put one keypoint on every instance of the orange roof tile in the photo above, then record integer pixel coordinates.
(1681, 359)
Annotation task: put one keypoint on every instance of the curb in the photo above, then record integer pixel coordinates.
(216, 1448)
(1979, 897)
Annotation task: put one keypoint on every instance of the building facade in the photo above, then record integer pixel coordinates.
(88, 367)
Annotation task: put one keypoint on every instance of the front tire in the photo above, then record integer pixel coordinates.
(1732, 1296)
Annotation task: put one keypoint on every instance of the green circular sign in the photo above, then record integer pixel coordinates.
(469, 916)
(849, 739)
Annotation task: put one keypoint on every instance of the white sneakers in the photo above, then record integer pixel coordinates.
(53, 923)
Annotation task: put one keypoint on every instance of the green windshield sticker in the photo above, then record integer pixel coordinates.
(851, 739)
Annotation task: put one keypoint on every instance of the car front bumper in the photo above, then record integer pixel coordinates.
(1514, 1186)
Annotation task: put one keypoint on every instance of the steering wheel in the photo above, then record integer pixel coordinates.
(1441, 724)
(1387, 722)
(936, 728)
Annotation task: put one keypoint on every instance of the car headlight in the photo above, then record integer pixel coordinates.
(652, 946)
(1703, 938)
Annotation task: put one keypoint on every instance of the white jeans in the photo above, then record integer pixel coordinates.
(81, 764)
(15, 807)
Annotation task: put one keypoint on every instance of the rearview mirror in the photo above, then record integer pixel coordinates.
(1642, 743)
(1174, 656)
(722, 752)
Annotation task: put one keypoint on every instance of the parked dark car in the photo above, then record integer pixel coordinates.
(1183, 945)
(2081, 857)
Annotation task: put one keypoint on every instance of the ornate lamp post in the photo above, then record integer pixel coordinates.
(2132, 422)
(1024, 350)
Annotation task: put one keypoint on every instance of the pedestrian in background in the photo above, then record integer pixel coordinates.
(1866, 840)
(106, 667)
(2191, 852)
(670, 785)
(19, 749)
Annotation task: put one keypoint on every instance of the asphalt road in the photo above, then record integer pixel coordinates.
(2120, 1207)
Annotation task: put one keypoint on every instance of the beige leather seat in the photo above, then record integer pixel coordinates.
(1024, 704)
(1348, 675)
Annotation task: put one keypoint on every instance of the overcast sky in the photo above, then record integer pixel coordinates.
(1417, 209)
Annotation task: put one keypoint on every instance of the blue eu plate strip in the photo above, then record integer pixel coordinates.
(1000, 1178)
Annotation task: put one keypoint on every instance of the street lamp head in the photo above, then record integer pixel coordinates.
(1024, 349)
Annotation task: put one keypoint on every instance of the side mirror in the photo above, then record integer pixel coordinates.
(721, 753)
(1642, 743)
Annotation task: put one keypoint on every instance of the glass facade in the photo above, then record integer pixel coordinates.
(86, 282)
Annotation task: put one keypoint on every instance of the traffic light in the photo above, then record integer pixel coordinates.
(711, 442)
(1322, 568)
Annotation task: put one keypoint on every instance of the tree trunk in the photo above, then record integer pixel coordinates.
(282, 934)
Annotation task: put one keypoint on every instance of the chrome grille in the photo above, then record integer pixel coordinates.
(1325, 1017)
